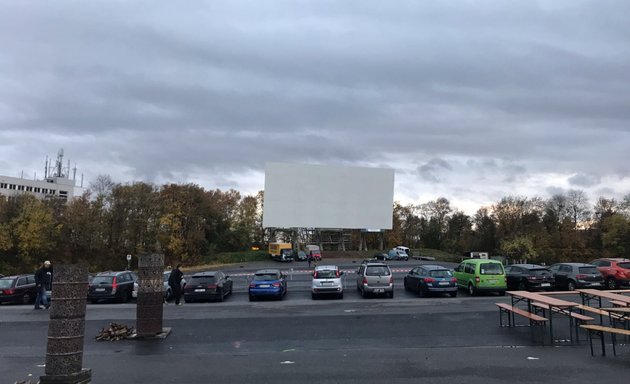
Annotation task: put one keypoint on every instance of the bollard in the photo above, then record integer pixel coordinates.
(66, 329)
(149, 309)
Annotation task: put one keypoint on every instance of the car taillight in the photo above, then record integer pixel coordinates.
(114, 285)
(252, 285)
(10, 291)
(429, 280)
(315, 275)
(391, 279)
(212, 285)
(337, 273)
(276, 284)
(477, 279)
(454, 279)
(532, 277)
(365, 282)
(581, 276)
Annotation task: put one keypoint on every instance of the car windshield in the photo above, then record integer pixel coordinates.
(491, 269)
(326, 274)
(441, 273)
(377, 270)
(102, 280)
(588, 270)
(539, 272)
(203, 280)
(625, 265)
(6, 283)
(265, 276)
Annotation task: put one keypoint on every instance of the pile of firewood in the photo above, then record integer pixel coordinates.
(114, 332)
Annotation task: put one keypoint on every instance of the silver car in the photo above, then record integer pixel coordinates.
(375, 278)
(327, 282)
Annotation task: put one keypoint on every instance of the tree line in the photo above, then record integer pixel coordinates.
(189, 224)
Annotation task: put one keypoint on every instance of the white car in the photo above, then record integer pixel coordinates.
(168, 294)
(327, 282)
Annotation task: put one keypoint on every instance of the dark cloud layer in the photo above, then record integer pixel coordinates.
(523, 95)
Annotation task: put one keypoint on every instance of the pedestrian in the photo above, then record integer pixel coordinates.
(43, 282)
(175, 282)
(309, 258)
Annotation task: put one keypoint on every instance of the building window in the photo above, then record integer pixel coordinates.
(4, 185)
(38, 189)
(12, 186)
(20, 187)
(29, 189)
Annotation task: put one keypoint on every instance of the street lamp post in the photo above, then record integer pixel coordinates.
(128, 262)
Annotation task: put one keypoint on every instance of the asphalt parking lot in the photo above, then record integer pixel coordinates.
(297, 340)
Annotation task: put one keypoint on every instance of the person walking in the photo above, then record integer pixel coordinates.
(175, 282)
(43, 282)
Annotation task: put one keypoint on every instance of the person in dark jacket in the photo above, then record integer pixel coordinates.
(175, 282)
(43, 282)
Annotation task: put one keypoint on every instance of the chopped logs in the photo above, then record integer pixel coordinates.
(114, 332)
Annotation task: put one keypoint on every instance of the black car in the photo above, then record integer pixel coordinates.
(111, 286)
(18, 289)
(427, 279)
(204, 286)
(529, 277)
(570, 276)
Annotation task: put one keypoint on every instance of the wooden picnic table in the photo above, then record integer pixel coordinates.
(595, 294)
(618, 315)
(554, 304)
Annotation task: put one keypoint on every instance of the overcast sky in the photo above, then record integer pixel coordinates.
(468, 100)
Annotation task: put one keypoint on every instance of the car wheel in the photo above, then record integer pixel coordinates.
(93, 301)
(521, 286)
(471, 289)
(363, 293)
(501, 293)
(26, 298)
(571, 285)
(611, 283)
(340, 296)
(313, 296)
(187, 300)
(391, 295)
(453, 294)
(421, 292)
(252, 298)
(405, 285)
(221, 297)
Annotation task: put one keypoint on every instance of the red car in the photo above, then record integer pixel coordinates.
(616, 271)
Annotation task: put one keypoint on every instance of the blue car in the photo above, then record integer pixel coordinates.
(268, 283)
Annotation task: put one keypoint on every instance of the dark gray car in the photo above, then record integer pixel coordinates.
(570, 276)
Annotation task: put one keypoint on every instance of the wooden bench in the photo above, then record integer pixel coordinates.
(599, 331)
(577, 316)
(618, 303)
(508, 309)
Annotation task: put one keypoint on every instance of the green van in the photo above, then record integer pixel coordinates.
(481, 275)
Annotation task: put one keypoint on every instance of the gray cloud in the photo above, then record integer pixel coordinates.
(211, 91)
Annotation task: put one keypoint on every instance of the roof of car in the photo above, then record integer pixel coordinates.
(612, 259)
(529, 266)
(433, 267)
(16, 276)
(323, 267)
(204, 273)
(576, 264)
(478, 261)
(110, 273)
(267, 271)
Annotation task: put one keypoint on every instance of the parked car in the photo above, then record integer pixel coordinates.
(529, 277)
(111, 286)
(374, 277)
(404, 249)
(211, 285)
(481, 275)
(427, 279)
(381, 256)
(327, 282)
(314, 252)
(570, 276)
(168, 292)
(301, 256)
(19, 289)
(397, 254)
(268, 283)
(616, 271)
